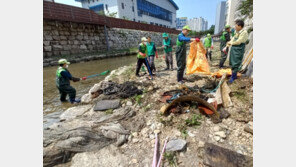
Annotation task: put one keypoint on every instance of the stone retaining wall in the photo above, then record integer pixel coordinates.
(65, 38)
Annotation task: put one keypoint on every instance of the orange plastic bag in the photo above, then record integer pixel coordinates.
(196, 61)
(220, 72)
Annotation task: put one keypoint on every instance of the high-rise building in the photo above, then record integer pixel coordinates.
(181, 22)
(220, 17)
(198, 24)
(231, 8)
(156, 12)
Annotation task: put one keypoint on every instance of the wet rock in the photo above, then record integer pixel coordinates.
(216, 156)
(176, 145)
(107, 104)
(74, 112)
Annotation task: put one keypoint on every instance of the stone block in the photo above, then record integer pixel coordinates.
(47, 48)
(46, 43)
(48, 37)
(83, 47)
(63, 37)
(57, 47)
(65, 52)
(56, 37)
(79, 37)
(63, 42)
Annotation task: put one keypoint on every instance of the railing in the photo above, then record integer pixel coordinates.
(61, 12)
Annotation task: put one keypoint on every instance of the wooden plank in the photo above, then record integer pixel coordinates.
(226, 100)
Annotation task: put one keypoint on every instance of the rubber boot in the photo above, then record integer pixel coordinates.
(75, 101)
(233, 77)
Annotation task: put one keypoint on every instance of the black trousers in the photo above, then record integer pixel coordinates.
(65, 90)
(140, 63)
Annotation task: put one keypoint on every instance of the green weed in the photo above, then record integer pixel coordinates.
(171, 158)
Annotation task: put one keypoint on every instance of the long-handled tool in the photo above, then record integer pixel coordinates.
(154, 163)
(148, 66)
(95, 75)
(163, 150)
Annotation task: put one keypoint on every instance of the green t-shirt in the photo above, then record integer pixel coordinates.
(151, 48)
(143, 49)
(167, 45)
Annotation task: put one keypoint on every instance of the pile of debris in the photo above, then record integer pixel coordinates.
(199, 100)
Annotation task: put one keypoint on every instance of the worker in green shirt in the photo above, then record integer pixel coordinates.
(181, 52)
(151, 50)
(237, 50)
(142, 57)
(208, 43)
(63, 77)
(225, 37)
(167, 45)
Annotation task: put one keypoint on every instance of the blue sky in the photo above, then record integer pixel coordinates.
(187, 8)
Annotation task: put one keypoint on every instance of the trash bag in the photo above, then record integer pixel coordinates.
(220, 72)
(196, 61)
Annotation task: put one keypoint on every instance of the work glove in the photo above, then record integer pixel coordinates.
(83, 78)
(197, 39)
(156, 55)
(224, 50)
(212, 47)
(75, 79)
(143, 54)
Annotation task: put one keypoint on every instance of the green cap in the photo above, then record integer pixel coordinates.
(63, 61)
(165, 35)
(186, 28)
(208, 35)
(227, 26)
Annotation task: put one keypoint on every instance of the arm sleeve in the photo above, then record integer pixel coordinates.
(183, 38)
(241, 39)
(227, 37)
(66, 74)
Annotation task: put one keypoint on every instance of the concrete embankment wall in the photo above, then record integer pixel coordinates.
(68, 38)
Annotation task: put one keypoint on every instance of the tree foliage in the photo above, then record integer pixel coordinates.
(246, 8)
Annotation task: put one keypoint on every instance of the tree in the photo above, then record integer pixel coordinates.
(113, 14)
(246, 8)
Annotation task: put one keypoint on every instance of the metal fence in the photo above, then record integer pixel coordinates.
(61, 12)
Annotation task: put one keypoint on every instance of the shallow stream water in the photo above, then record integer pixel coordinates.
(52, 107)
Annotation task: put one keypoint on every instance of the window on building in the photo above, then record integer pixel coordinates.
(151, 23)
(150, 9)
(133, 8)
(106, 7)
(134, 19)
(88, 1)
(122, 5)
